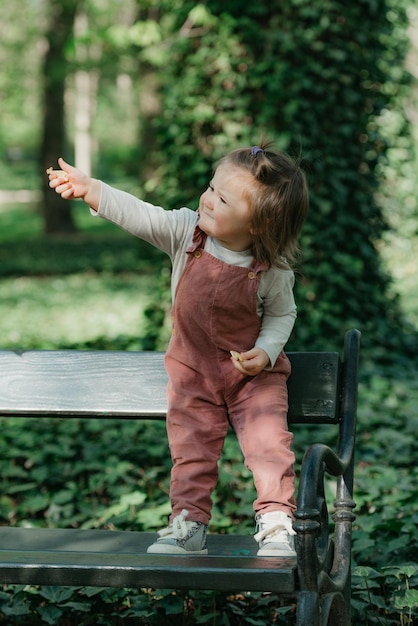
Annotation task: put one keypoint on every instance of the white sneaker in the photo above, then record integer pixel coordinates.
(274, 533)
(181, 537)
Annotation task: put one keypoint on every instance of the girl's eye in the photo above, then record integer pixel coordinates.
(211, 188)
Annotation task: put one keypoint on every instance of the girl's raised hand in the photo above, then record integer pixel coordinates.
(68, 182)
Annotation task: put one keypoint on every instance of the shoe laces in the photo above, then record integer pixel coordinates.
(178, 527)
(274, 526)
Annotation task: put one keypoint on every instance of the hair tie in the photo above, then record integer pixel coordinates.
(256, 150)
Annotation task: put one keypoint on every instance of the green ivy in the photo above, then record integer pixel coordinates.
(319, 79)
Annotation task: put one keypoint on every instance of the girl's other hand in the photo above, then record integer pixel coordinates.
(251, 362)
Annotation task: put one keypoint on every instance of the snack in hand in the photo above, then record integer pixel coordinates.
(236, 355)
(60, 174)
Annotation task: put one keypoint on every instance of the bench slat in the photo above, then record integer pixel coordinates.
(82, 382)
(104, 384)
(73, 557)
(313, 387)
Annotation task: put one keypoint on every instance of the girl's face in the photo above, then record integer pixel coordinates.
(224, 210)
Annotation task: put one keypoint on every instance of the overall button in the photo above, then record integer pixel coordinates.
(251, 275)
(197, 254)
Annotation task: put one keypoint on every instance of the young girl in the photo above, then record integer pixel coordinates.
(233, 312)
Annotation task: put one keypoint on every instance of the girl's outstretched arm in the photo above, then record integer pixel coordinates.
(71, 183)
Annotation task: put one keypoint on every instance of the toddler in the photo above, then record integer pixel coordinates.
(233, 311)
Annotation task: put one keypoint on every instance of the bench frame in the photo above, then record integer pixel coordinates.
(322, 389)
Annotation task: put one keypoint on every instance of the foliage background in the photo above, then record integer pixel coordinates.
(178, 84)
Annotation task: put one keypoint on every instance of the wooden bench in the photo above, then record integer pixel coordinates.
(68, 383)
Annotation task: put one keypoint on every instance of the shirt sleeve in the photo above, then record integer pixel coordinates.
(167, 230)
(279, 312)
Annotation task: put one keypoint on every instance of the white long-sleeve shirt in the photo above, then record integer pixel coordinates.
(172, 232)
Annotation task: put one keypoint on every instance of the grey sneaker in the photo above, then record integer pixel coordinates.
(181, 537)
(275, 534)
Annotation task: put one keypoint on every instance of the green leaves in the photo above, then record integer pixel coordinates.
(371, 593)
(67, 473)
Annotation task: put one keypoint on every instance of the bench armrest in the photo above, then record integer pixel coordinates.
(324, 564)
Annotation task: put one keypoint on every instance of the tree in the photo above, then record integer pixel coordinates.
(59, 32)
(19, 37)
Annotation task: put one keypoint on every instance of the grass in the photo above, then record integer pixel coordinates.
(56, 292)
(77, 308)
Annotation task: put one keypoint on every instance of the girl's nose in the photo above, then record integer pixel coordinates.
(206, 199)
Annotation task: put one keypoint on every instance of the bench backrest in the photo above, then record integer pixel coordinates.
(59, 383)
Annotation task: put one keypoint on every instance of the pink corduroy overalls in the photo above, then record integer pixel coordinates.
(215, 311)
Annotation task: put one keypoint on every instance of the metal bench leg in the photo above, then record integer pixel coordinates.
(307, 611)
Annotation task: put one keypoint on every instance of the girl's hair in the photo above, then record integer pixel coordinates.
(279, 198)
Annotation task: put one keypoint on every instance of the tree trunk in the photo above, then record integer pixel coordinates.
(86, 86)
(56, 212)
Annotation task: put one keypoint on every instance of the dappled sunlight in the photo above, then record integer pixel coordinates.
(401, 259)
